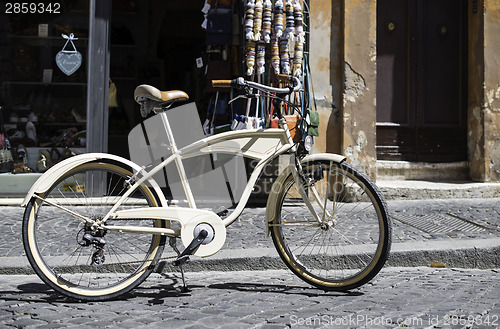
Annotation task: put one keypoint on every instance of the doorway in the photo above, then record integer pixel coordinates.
(422, 80)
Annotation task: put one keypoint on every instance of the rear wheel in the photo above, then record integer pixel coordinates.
(81, 261)
(349, 241)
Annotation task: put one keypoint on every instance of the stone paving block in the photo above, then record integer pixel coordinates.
(479, 211)
(270, 326)
(25, 321)
(198, 326)
(238, 325)
(130, 324)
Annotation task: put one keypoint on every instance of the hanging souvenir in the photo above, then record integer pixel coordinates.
(284, 56)
(266, 20)
(278, 18)
(299, 21)
(260, 57)
(275, 55)
(69, 61)
(297, 59)
(290, 20)
(250, 57)
(249, 16)
(257, 20)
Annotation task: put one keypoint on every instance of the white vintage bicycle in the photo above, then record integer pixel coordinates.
(95, 225)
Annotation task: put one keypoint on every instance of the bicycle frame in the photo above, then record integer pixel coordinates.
(305, 209)
(263, 145)
(260, 144)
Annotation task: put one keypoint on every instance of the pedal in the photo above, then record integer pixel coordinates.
(221, 211)
(197, 241)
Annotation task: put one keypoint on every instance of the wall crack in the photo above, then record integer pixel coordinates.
(354, 83)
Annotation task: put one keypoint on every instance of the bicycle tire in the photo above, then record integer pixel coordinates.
(54, 243)
(349, 245)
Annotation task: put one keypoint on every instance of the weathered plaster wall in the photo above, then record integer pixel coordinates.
(484, 91)
(343, 67)
(359, 97)
(492, 89)
(326, 54)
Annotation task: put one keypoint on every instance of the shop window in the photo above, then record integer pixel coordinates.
(43, 88)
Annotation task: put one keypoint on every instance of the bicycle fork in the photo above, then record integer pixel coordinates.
(301, 182)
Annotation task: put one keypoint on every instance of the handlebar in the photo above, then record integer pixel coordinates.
(241, 83)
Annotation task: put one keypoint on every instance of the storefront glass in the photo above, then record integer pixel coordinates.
(58, 61)
(43, 87)
(157, 43)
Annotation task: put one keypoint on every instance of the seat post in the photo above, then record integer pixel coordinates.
(168, 129)
(178, 161)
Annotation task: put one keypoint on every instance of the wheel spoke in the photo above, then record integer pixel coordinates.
(78, 259)
(340, 252)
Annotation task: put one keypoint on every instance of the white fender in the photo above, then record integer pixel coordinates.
(272, 200)
(55, 172)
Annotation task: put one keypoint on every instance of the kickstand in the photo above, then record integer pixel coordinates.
(173, 243)
(184, 284)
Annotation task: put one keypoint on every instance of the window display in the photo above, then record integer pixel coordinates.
(55, 64)
(43, 88)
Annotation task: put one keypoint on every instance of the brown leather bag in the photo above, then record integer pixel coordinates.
(293, 121)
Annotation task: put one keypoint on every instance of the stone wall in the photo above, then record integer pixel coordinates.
(484, 91)
(359, 97)
(343, 66)
(326, 57)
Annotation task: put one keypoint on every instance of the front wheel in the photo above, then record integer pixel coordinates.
(348, 241)
(81, 261)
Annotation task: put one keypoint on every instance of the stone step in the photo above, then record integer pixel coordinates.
(404, 170)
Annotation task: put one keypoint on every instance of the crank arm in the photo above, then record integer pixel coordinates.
(197, 241)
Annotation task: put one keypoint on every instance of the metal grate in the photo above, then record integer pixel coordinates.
(438, 223)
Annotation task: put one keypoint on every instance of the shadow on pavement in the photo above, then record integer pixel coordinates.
(281, 289)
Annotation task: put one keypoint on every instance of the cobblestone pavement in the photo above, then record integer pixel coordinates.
(398, 297)
(483, 213)
(417, 297)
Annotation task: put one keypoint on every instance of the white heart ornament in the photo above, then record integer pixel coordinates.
(68, 62)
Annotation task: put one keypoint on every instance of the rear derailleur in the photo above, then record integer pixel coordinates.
(93, 237)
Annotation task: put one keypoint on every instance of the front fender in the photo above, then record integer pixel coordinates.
(273, 198)
(324, 157)
(55, 172)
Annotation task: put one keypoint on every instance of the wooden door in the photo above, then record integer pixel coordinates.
(421, 80)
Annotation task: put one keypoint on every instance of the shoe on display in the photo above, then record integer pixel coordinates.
(22, 155)
(31, 131)
(45, 160)
(77, 116)
(21, 168)
(18, 134)
(32, 117)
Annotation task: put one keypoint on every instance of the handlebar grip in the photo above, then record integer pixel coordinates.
(222, 83)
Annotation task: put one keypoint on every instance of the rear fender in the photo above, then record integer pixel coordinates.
(58, 170)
